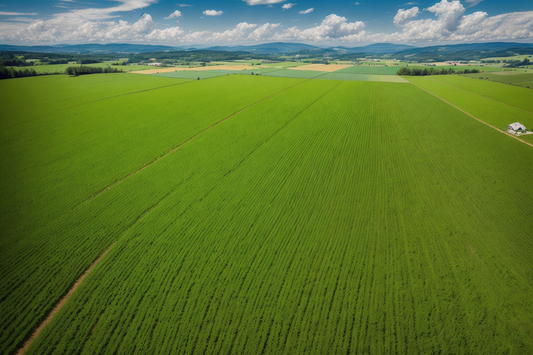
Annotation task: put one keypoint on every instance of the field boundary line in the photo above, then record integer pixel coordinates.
(62, 302)
(190, 140)
(474, 117)
(475, 93)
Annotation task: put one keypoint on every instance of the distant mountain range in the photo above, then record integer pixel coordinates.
(266, 48)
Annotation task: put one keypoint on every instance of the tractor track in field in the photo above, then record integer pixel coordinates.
(475, 93)
(190, 140)
(474, 117)
(62, 302)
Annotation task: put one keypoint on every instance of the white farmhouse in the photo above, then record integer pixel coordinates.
(517, 126)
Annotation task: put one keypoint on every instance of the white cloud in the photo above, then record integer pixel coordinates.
(175, 14)
(452, 25)
(78, 15)
(357, 3)
(404, 15)
(98, 25)
(213, 13)
(184, 5)
(262, 2)
(9, 13)
(307, 11)
(287, 6)
(333, 27)
(473, 2)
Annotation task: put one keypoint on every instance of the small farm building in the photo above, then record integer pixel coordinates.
(517, 126)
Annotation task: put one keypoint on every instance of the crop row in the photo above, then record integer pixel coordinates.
(323, 220)
(362, 77)
(510, 95)
(58, 154)
(486, 109)
(38, 269)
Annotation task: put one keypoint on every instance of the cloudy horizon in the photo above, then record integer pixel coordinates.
(251, 22)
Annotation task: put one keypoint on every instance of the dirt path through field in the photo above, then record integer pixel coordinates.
(475, 93)
(474, 117)
(62, 302)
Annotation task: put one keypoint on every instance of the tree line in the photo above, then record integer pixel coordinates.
(7, 73)
(433, 71)
(83, 70)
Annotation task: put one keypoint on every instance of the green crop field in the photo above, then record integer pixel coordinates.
(368, 69)
(516, 78)
(362, 77)
(263, 215)
(287, 73)
(186, 74)
(498, 111)
(511, 95)
(284, 64)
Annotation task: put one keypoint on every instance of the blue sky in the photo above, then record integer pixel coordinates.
(231, 22)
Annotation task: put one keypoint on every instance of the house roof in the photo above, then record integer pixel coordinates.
(517, 125)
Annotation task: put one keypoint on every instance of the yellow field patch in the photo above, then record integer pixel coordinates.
(322, 67)
(212, 67)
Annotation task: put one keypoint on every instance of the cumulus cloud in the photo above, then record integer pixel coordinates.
(451, 24)
(175, 14)
(333, 27)
(307, 11)
(262, 2)
(9, 13)
(92, 31)
(213, 13)
(404, 15)
(287, 6)
(448, 23)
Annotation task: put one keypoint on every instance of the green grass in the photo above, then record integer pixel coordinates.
(496, 113)
(516, 78)
(330, 218)
(362, 77)
(367, 69)
(186, 74)
(511, 95)
(287, 73)
(284, 64)
(515, 57)
(59, 146)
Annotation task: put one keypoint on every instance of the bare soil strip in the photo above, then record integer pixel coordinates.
(475, 93)
(322, 67)
(62, 302)
(189, 140)
(474, 117)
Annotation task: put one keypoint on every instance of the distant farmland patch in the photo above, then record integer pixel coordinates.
(515, 78)
(369, 69)
(322, 67)
(362, 77)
